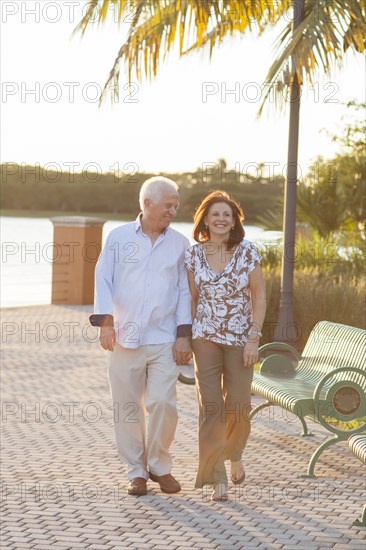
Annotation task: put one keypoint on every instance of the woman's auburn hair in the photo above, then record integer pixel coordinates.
(201, 234)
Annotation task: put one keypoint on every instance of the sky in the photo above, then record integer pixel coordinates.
(184, 119)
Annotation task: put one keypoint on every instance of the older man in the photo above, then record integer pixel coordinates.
(143, 307)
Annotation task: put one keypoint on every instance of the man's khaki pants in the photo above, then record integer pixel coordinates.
(144, 380)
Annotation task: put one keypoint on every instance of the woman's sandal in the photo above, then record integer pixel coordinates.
(219, 493)
(239, 480)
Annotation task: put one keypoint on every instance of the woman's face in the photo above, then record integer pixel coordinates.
(219, 219)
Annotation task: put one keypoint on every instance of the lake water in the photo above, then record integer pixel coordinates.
(26, 256)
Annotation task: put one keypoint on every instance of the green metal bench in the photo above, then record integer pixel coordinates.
(357, 444)
(328, 381)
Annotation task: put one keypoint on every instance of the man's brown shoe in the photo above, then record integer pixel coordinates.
(167, 483)
(137, 487)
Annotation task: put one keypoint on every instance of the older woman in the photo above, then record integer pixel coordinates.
(228, 297)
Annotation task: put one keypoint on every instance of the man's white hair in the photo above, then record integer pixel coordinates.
(153, 188)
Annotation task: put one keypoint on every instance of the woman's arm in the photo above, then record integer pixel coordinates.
(258, 298)
(194, 293)
(257, 289)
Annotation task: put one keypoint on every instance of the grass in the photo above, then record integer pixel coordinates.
(317, 297)
(347, 426)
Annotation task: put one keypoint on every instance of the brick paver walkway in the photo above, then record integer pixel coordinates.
(64, 487)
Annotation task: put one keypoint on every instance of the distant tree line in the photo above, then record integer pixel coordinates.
(29, 188)
(331, 197)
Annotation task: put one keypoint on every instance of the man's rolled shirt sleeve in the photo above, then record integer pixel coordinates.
(104, 275)
(184, 306)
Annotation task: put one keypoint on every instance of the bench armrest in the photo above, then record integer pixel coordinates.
(280, 345)
(277, 364)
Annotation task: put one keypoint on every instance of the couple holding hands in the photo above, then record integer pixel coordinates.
(157, 300)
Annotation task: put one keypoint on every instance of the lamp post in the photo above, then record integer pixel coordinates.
(286, 330)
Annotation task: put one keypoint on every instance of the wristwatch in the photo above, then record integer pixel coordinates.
(256, 332)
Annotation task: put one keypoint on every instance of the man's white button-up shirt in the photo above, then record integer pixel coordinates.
(144, 286)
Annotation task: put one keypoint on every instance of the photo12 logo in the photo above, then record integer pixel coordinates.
(71, 11)
(253, 92)
(67, 92)
(52, 172)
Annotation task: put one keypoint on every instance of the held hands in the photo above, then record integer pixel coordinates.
(107, 338)
(182, 351)
(250, 354)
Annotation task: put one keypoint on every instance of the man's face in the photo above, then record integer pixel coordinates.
(164, 208)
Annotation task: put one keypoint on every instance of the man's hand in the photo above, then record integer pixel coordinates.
(250, 354)
(107, 338)
(182, 351)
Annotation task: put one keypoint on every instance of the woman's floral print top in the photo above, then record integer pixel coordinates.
(224, 309)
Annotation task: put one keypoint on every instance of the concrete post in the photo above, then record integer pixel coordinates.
(77, 246)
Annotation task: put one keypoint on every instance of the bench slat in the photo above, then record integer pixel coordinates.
(357, 444)
(330, 346)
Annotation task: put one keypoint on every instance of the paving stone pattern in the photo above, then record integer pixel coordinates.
(63, 486)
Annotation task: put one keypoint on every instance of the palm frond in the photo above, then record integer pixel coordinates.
(328, 29)
(238, 17)
(98, 10)
(157, 24)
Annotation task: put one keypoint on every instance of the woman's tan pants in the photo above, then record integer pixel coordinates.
(224, 394)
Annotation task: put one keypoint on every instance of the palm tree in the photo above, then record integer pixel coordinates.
(318, 35)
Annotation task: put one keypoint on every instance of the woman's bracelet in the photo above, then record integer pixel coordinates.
(256, 332)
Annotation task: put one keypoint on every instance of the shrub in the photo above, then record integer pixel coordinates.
(317, 296)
